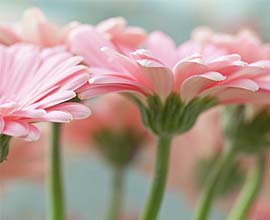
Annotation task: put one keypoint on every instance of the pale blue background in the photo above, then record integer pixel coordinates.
(87, 190)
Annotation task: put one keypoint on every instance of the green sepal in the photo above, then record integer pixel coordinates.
(172, 116)
(4, 147)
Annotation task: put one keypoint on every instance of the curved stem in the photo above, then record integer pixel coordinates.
(249, 192)
(56, 197)
(115, 208)
(161, 168)
(208, 195)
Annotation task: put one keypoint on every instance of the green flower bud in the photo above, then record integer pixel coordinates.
(119, 147)
(247, 134)
(230, 183)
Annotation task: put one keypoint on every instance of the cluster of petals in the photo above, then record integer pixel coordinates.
(246, 43)
(190, 70)
(125, 38)
(111, 112)
(35, 85)
(35, 28)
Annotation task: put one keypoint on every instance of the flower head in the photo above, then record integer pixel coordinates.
(35, 86)
(192, 77)
(113, 33)
(190, 70)
(36, 29)
(246, 43)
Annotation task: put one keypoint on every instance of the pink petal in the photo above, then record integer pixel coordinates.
(15, 128)
(223, 61)
(112, 26)
(76, 82)
(111, 79)
(33, 133)
(54, 99)
(244, 84)
(160, 78)
(162, 47)
(77, 110)
(195, 84)
(2, 124)
(126, 65)
(8, 35)
(36, 29)
(57, 116)
(87, 42)
(29, 113)
(132, 38)
(97, 90)
(186, 69)
(241, 90)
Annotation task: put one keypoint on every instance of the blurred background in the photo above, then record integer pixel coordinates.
(87, 177)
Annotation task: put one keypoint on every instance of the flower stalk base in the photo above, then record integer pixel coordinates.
(158, 186)
(55, 183)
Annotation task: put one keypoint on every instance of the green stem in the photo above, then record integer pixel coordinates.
(161, 168)
(4, 147)
(56, 197)
(208, 195)
(249, 191)
(115, 208)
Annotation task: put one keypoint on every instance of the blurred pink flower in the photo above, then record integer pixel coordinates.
(261, 210)
(26, 161)
(109, 112)
(113, 32)
(36, 29)
(125, 38)
(190, 70)
(35, 85)
(246, 43)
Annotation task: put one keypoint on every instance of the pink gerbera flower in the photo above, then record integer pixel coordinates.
(36, 29)
(171, 85)
(190, 70)
(113, 32)
(246, 43)
(35, 86)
